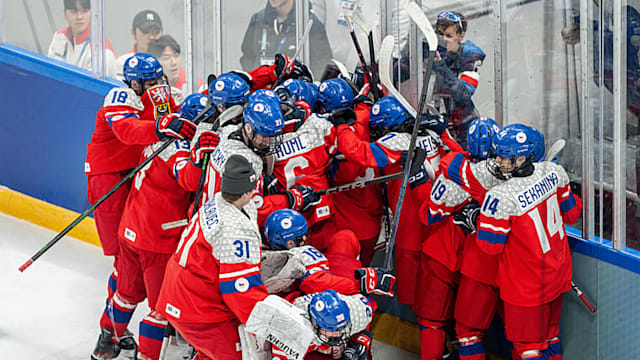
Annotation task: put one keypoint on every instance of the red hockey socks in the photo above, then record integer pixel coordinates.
(472, 348)
(432, 339)
(152, 329)
(116, 315)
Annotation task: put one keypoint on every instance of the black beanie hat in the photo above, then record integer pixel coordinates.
(238, 176)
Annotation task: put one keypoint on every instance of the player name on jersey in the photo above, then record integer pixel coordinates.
(210, 212)
(538, 191)
(291, 148)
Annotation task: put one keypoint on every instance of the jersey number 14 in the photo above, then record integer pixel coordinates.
(553, 225)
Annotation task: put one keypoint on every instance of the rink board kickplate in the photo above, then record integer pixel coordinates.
(47, 215)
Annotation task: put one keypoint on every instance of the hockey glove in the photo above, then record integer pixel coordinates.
(467, 218)
(359, 348)
(418, 174)
(270, 185)
(344, 116)
(206, 143)
(292, 69)
(435, 122)
(244, 76)
(377, 281)
(172, 125)
(302, 198)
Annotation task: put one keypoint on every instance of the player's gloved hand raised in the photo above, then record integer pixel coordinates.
(435, 122)
(204, 144)
(344, 116)
(419, 173)
(467, 218)
(374, 280)
(358, 348)
(302, 198)
(296, 116)
(292, 69)
(174, 126)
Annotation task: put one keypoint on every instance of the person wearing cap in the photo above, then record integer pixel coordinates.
(147, 26)
(212, 282)
(72, 44)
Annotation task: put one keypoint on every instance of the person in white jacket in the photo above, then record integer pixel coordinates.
(72, 44)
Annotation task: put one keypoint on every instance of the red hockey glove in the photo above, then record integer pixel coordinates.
(302, 198)
(206, 143)
(375, 281)
(174, 126)
(358, 347)
(293, 69)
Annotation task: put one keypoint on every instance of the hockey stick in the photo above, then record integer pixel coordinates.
(583, 297)
(380, 179)
(104, 197)
(367, 71)
(226, 115)
(555, 149)
(305, 35)
(362, 23)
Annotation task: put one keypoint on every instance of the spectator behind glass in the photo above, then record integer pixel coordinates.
(272, 30)
(72, 44)
(167, 50)
(147, 26)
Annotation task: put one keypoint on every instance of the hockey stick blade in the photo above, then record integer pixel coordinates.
(357, 18)
(305, 35)
(110, 192)
(343, 68)
(417, 15)
(555, 149)
(583, 297)
(229, 114)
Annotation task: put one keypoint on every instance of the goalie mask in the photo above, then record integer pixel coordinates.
(285, 225)
(330, 317)
(512, 142)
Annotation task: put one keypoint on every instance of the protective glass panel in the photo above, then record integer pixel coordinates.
(60, 30)
(149, 26)
(632, 202)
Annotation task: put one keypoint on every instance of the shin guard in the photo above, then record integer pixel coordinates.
(432, 339)
(152, 329)
(116, 315)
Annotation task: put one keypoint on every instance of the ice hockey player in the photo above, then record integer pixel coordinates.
(340, 323)
(146, 247)
(212, 282)
(286, 231)
(334, 94)
(523, 221)
(390, 127)
(124, 125)
(442, 252)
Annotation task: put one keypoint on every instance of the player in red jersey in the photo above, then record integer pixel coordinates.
(124, 125)
(523, 220)
(442, 260)
(212, 282)
(146, 245)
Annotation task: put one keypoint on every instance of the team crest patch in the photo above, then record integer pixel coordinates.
(133, 61)
(323, 86)
(258, 201)
(258, 107)
(472, 129)
(203, 101)
(286, 223)
(375, 110)
(521, 137)
(241, 285)
(319, 306)
(219, 85)
(288, 81)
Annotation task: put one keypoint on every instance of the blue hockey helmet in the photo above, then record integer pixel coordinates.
(263, 113)
(480, 137)
(228, 89)
(302, 90)
(387, 114)
(192, 105)
(284, 225)
(329, 312)
(141, 67)
(335, 94)
(515, 140)
(538, 141)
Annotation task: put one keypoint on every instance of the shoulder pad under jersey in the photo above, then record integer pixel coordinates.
(483, 175)
(228, 147)
(447, 194)
(395, 141)
(176, 145)
(123, 96)
(527, 192)
(360, 311)
(177, 96)
(308, 255)
(234, 236)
